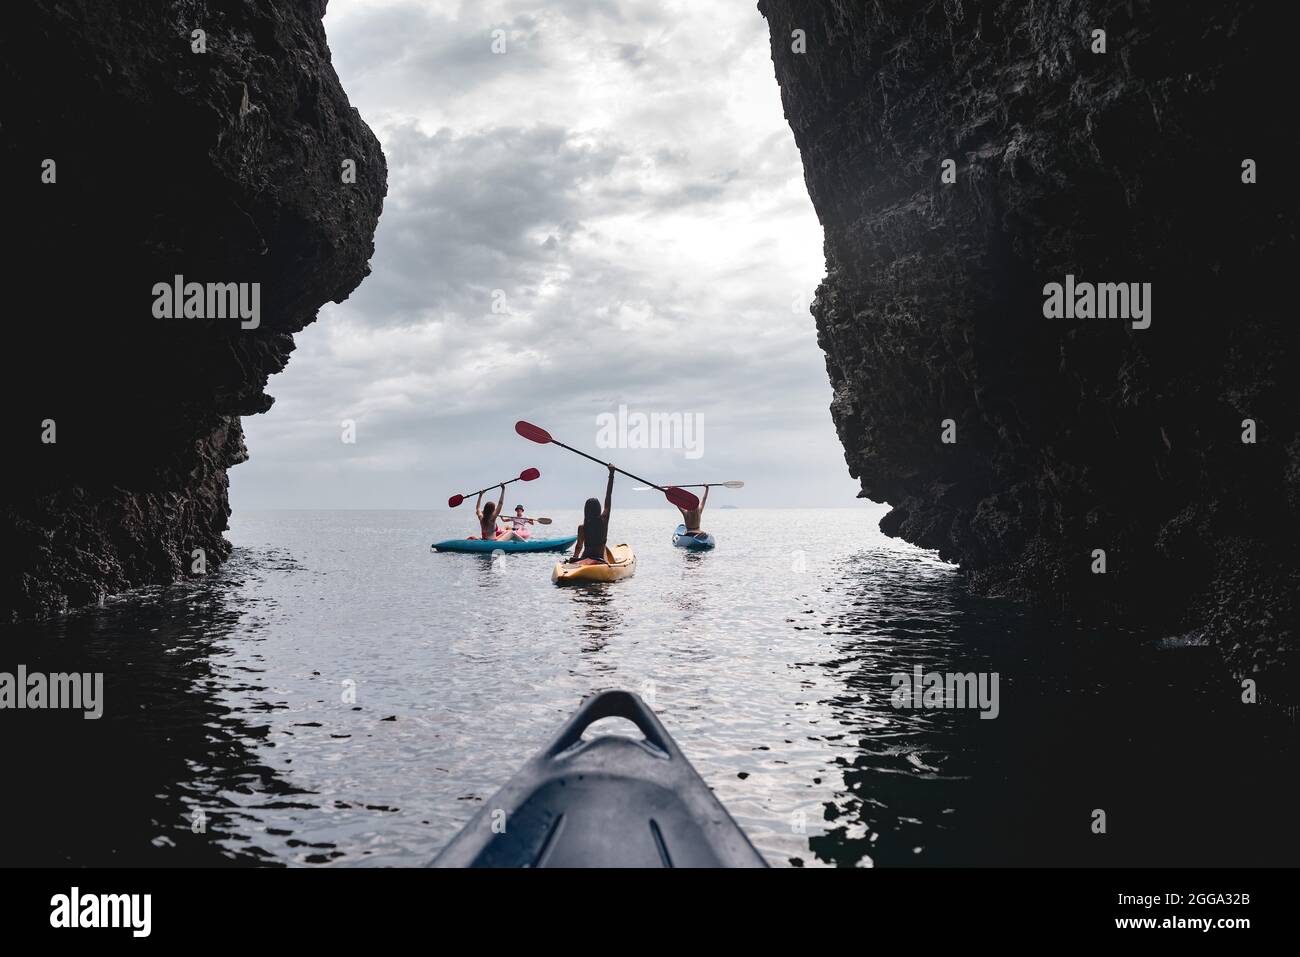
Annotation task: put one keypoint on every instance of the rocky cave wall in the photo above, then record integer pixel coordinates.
(219, 166)
(1071, 434)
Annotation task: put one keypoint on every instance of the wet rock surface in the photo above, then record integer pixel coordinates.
(224, 166)
(1072, 435)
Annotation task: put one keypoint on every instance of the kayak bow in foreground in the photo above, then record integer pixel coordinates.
(609, 801)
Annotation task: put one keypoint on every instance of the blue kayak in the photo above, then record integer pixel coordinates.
(487, 547)
(696, 543)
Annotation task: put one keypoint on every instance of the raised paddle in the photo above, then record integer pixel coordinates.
(678, 497)
(731, 484)
(527, 475)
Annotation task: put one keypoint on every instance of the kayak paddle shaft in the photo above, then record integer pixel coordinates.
(677, 496)
(527, 475)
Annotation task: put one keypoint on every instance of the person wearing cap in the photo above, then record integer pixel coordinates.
(516, 526)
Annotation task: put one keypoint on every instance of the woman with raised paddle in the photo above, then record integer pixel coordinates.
(589, 549)
(487, 514)
(593, 558)
(689, 535)
(691, 517)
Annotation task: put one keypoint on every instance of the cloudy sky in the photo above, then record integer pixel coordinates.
(621, 185)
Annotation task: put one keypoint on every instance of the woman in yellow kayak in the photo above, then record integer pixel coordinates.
(692, 518)
(589, 549)
(487, 515)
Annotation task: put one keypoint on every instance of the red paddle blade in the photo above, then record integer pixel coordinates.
(681, 498)
(527, 475)
(455, 500)
(532, 432)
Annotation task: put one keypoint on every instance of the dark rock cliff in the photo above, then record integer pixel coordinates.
(1071, 434)
(222, 166)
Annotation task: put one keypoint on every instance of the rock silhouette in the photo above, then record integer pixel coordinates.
(130, 157)
(1071, 435)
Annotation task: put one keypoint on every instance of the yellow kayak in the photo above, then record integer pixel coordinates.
(622, 563)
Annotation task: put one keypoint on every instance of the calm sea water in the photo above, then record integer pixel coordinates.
(339, 695)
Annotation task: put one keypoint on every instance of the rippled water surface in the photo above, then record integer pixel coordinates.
(769, 660)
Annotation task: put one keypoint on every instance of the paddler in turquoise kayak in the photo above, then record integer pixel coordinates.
(487, 515)
(691, 518)
(516, 527)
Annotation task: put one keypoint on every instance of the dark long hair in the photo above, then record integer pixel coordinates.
(593, 529)
(489, 509)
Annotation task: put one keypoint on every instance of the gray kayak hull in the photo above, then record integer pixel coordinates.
(610, 801)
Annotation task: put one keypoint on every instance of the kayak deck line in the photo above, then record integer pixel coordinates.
(696, 543)
(620, 562)
(487, 546)
(609, 801)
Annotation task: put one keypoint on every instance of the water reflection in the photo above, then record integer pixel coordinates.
(166, 789)
(1088, 720)
(596, 614)
(338, 695)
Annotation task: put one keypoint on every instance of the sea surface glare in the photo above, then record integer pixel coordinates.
(339, 695)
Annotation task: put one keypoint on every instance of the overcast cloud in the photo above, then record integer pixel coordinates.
(624, 176)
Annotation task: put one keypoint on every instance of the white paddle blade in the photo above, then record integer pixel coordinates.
(734, 484)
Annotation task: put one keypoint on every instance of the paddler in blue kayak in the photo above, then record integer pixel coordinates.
(516, 526)
(487, 515)
(589, 549)
(691, 519)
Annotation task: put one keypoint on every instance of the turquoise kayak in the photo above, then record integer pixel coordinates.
(480, 546)
(696, 543)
